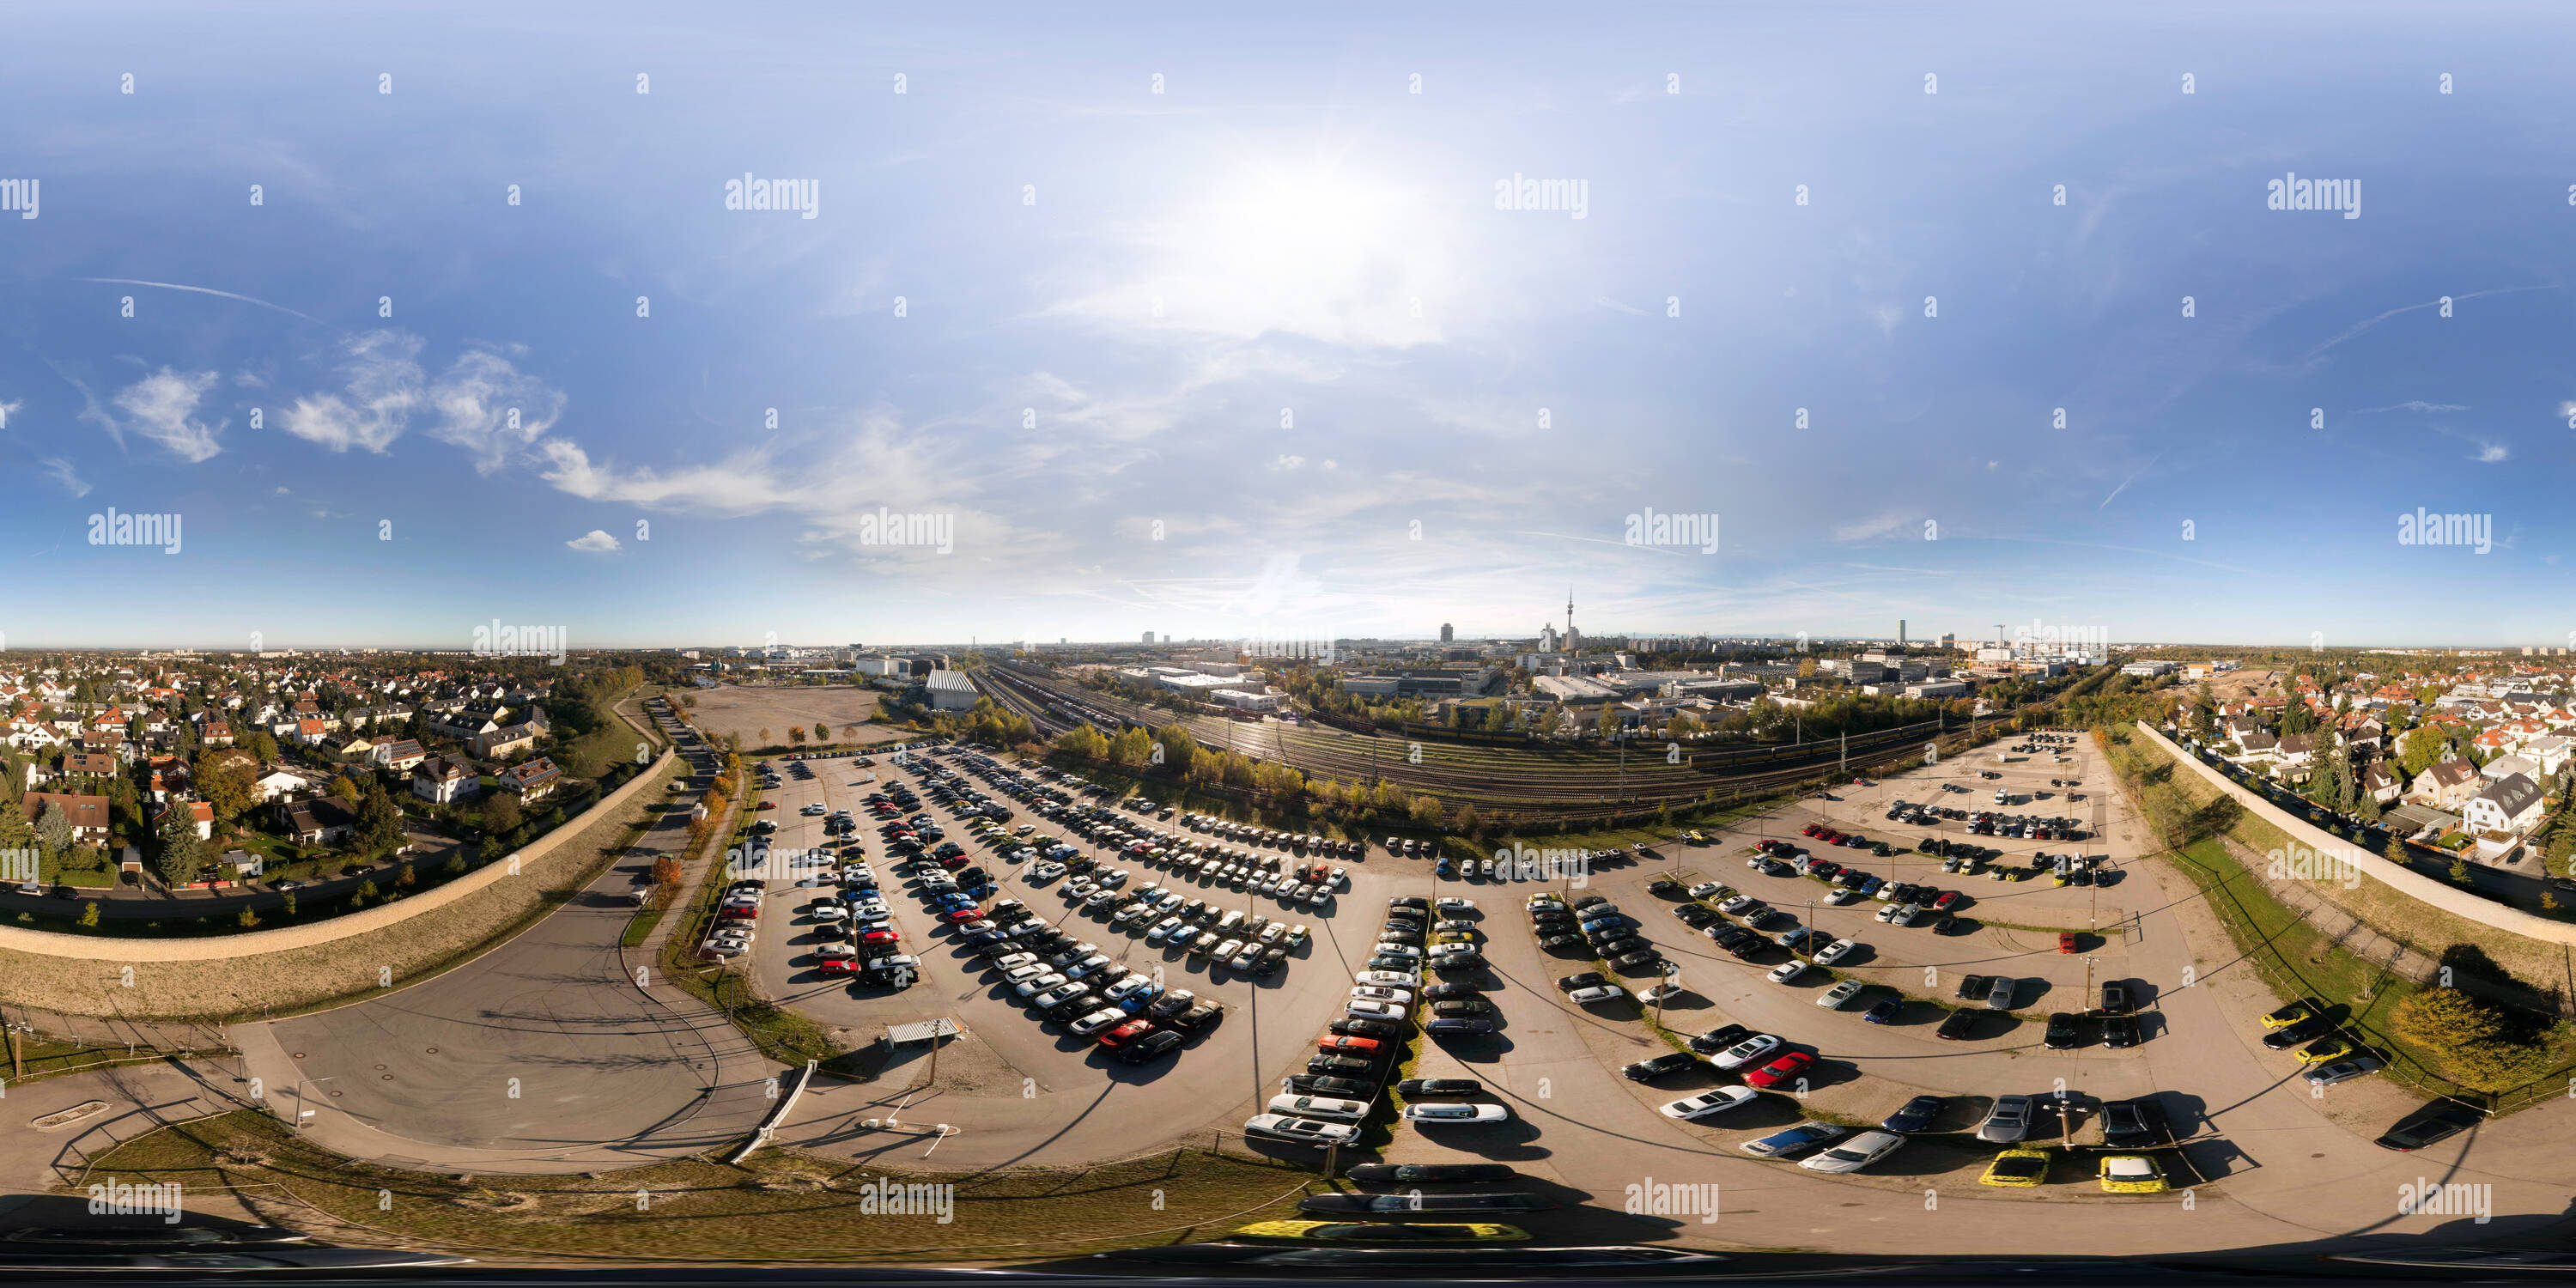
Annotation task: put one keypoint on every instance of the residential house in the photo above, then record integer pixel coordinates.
(310, 731)
(444, 780)
(278, 781)
(87, 814)
(320, 820)
(399, 755)
(355, 751)
(2446, 786)
(200, 810)
(532, 780)
(2382, 783)
(2504, 767)
(505, 742)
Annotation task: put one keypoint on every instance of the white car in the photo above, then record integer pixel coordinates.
(1384, 979)
(1832, 999)
(1835, 951)
(1450, 950)
(1163, 930)
(1099, 1022)
(1226, 950)
(1015, 961)
(1119, 991)
(1455, 1113)
(1303, 1131)
(1854, 1154)
(1047, 871)
(1043, 982)
(1719, 1101)
(1029, 971)
(1382, 993)
(1319, 1107)
(1750, 1051)
(1787, 972)
(1388, 948)
(1737, 904)
(1364, 1010)
(1704, 889)
(1596, 993)
(1455, 903)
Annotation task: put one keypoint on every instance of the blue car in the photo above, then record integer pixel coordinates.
(1781, 1144)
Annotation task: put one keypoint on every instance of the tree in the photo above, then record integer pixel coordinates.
(822, 732)
(2421, 750)
(380, 823)
(226, 784)
(54, 832)
(764, 736)
(796, 734)
(16, 833)
(89, 914)
(182, 856)
(289, 905)
(2459, 872)
(344, 789)
(502, 814)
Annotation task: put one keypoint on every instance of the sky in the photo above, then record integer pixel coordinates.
(1218, 325)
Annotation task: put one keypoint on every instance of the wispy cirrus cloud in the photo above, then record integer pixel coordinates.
(482, 403)
(62, 473)
(162, 407)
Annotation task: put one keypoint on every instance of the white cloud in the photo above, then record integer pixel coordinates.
(163, 407)
(744, 484)
(1284, 462)
(63, 473)
(1866, 529)
(2491, 453)
(489, 407)
(482, 402)
(384, 386)
(597, 543)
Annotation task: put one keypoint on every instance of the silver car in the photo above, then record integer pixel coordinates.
(2008, 1121)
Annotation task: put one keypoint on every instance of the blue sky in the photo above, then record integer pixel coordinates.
(1258, 355)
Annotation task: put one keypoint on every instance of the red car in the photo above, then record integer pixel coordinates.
(1813, 828)
(1784, 1069)
(1948, 900)
(960, 916)
(769, 804)
(2066, 941)
(1340, 1045)
(881, 935)
(738, 912)
(837, 966)
(1126, 1033)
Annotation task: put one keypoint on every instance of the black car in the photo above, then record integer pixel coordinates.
(1916, 1115)
(1884, 1010)
(1152, 1046)
(2065, 1032)
(1559, 943)
(1587, 979)
(1197, 1017)
(1339, 1065)
(1389, 961)
(1670, 1062)
(1365, 1028)
(2436, 1122)
(1623, 946)
(1637, 962)
(1445, 992)
(1665, 886)
(1719, 1039)
(1412, 1088)
(2133, 1124)
(1430, 1173)
(1459, 961)
(2121, 1031)
(1727, 936)
(1314, 1084)
(2299, 1034)
(1076, 1008)
(1973, 988)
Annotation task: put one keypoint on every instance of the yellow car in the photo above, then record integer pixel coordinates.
(2021, 1168)
(2327, 1049)
(1698, 837)
(1357, 1232)
(2295, 1013)
(2131, 1174)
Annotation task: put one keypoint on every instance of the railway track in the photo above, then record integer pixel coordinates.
(1486, 776)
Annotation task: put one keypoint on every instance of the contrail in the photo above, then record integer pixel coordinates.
(206, 290)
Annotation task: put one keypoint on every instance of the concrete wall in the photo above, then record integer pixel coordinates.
(2406, 881)
(256, 942)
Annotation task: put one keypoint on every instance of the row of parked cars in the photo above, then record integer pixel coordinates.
(1594, 927)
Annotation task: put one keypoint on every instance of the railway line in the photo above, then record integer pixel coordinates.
(1486, 776)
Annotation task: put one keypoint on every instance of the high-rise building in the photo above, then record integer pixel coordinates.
(1900, 632)
(1149, 637)
(1448, 633)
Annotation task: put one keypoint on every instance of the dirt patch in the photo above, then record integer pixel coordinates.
(744, 711)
